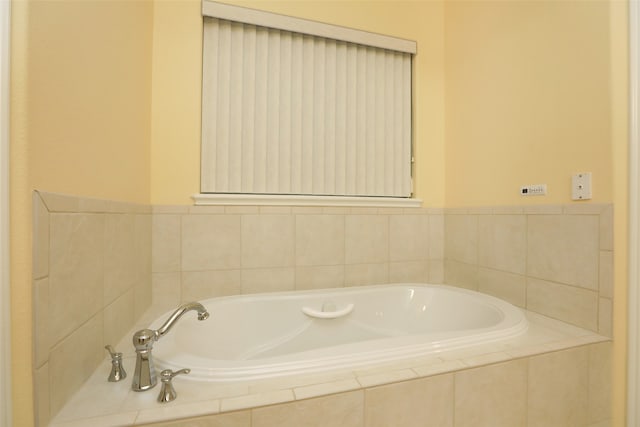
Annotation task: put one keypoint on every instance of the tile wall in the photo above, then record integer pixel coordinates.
(97, 264)
(553, 260)
(91, 271)
(563, 388)
(201, 252)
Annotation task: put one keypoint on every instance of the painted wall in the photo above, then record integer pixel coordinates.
(536, 92)
(89, 95)
(80, 124)
(106, 103)
(175, 108)
(177, 63)
(528, 100)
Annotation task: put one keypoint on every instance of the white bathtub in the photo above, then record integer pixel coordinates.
(277, 334)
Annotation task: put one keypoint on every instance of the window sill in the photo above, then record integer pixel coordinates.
(289, 200)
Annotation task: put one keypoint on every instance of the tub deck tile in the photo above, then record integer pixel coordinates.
(122, 419)
(396, 365)
(325, 389)
(469, 352)
(439, 368)
(486, 359)
(256, 400)
(528, 351)
(291, 382)
(90, 402)
(387, 377)
(188, 392)
(175, 411)
(575, 342)
(126, 408)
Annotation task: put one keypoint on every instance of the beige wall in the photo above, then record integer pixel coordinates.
(88, 97)
(175, 110)
(80, 124)
(528, 100)
(106, 103)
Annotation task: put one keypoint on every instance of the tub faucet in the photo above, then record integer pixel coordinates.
(144, 377)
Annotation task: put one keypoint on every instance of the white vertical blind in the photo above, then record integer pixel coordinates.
(288, 113)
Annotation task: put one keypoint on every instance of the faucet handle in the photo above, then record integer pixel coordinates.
(167, 392)
(167, 375)
(117, 370)
(112, 351)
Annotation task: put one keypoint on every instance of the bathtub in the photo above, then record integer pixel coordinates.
(277, 334)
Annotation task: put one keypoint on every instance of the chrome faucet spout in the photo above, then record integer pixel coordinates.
(144, 377)
(203, 314)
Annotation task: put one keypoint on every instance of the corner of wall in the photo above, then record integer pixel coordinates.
(91, 282)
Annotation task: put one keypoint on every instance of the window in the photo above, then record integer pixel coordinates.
(295, 107)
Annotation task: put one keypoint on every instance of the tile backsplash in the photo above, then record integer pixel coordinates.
(201, 252)
(98, 264)
(91, 279)
(553, 260)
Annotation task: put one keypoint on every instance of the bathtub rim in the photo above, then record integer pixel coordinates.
(237, 371)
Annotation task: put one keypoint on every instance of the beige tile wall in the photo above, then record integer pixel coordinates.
(201, 252)
(92, 278)
(564, 388)
(94, 260)
(553, 260)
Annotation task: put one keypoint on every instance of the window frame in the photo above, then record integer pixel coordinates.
(298, 25)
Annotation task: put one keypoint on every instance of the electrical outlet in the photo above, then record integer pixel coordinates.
(534, 190)
(581, 186)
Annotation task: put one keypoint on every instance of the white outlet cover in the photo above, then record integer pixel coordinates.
(581, 186)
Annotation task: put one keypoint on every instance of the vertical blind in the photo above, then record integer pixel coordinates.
(290, 113)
